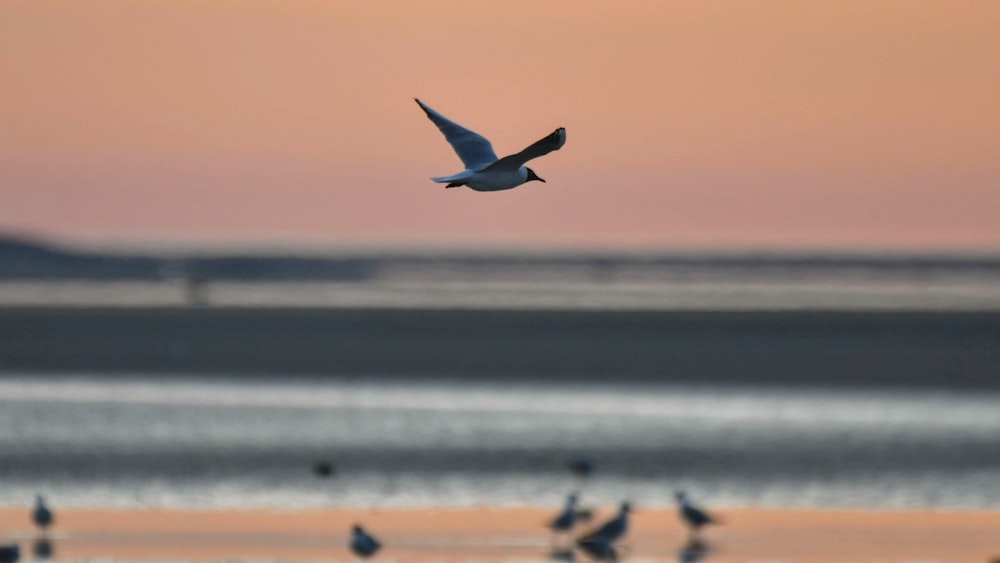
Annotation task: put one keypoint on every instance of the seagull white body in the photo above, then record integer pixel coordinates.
(484, 172)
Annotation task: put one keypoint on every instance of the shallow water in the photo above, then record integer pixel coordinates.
(144, 441)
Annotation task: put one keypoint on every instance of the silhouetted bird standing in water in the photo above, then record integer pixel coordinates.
(613, 529)
(691, 515)
(41, 515)
(10, 553)
(565, 520)
(582, 468)
(363, 544)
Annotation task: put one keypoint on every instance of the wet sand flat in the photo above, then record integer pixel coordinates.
(506, 534)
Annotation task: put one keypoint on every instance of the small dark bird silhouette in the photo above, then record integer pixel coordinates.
(10, 553)
(613, 529)
(692, 516)
(41, 515)
(363, 544)
(565, 520)
(324, 469)
(582, 467)
(598, 548)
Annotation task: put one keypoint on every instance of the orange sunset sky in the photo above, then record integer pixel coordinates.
(696, 124)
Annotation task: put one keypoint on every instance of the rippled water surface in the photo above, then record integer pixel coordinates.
(229, 442)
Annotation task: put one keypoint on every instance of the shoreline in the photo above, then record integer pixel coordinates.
(495, 534)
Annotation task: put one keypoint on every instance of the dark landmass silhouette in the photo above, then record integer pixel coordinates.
(26, 259)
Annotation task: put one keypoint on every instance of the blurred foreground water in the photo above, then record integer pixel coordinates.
(180, 441)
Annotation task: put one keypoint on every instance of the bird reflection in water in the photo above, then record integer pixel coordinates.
(598, 548)
(43, 549)
(562, 555)
(693, 551)
(10, 553)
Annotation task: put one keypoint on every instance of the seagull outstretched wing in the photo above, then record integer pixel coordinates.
(552, 142)
(475, 150)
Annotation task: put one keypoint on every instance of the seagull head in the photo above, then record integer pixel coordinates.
(681, 496)
(533, 176)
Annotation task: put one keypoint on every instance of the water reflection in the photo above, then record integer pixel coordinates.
(693, 551)
(562, 555)
(598, 548)
(43, 549)
(10, 553)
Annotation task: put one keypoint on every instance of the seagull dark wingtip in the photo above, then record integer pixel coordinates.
(560, 135)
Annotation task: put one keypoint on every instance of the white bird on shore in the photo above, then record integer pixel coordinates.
(484, 172)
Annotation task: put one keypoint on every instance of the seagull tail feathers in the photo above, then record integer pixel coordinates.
(460, 177)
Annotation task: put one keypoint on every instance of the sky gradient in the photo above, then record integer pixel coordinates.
(793, 125)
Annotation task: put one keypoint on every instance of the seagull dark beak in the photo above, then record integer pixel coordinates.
(542, 180)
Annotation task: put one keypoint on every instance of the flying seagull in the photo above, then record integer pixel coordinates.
(484, 172)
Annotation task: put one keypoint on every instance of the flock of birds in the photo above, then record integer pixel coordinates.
(600, 543)
(42, 517)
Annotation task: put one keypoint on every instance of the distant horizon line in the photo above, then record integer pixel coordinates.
(486, 247)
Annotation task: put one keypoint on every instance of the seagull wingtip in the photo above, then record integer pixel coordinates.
(423, 106)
